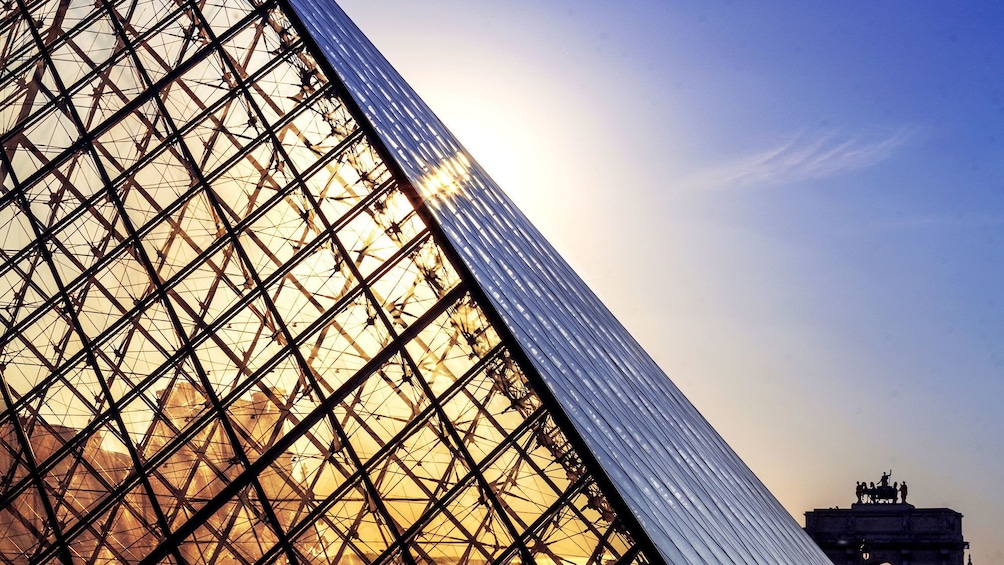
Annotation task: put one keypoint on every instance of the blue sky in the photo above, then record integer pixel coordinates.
(797, 208)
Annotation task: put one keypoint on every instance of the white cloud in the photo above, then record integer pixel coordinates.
(802, 157)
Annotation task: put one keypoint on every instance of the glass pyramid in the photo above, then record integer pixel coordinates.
(259, 306)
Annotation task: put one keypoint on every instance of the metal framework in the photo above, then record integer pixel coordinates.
(230, 333)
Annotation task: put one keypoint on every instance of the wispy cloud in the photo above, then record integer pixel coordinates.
(803, 156)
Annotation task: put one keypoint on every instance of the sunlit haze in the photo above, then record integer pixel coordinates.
(797, 210)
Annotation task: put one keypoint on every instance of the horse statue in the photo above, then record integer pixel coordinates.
(881, 493)
(884, 492)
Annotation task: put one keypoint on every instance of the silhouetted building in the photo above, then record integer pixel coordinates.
(259, 306)
(878, 531)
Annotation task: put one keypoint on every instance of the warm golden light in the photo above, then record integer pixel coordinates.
(274, 350)
(446, 180)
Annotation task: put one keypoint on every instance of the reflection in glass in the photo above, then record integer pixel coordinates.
(228, 335)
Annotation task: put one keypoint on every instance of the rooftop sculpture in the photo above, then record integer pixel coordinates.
(871, 493)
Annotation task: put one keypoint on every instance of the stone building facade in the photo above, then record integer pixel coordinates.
(893, 533)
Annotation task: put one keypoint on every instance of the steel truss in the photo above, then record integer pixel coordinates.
(230, 332)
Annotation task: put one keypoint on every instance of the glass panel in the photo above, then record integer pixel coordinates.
(468, 530)
(374, 413)
(383, 229)
(24, 528)
(124, 533)
(452, 343)
(239, 532)
(415, 476)
(415, 283)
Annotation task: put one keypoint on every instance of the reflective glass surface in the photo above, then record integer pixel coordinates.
(228, 335)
